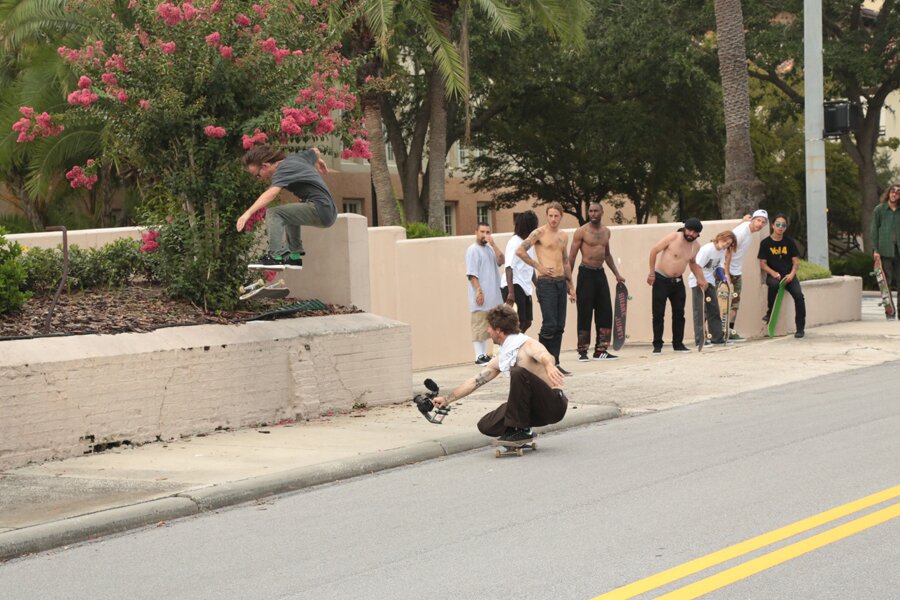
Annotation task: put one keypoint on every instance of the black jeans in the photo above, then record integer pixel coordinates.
(531, 403)
(551, 295)
(668, 289)
(593, 302)
(793, 288)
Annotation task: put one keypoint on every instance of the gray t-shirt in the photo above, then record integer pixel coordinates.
(297, 174)
(482, 263)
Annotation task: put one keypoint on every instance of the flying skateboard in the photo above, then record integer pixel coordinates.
(517, 448)
(259, 290)
(887, 300)
(621, 309)
(776, 308)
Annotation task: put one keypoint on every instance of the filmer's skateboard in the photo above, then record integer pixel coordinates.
(725, 294)
(704, 330)
(517, 448)
(887, 300)
(620, 311)
(776, 308)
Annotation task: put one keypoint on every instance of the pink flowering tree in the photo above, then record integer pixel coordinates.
(182, 90)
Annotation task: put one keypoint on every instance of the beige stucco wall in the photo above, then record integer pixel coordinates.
(60, 396)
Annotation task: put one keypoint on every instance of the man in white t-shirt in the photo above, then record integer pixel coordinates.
(519, 274)
(482, 261)
(711, 256)
(734, 267)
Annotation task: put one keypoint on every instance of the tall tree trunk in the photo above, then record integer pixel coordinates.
(863, 155)
(742, 191)
(409, 162)
(388, 213)
(28, 206)
(437, 126)
(106, 196)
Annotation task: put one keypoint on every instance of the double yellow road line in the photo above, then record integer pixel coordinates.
(766, 561)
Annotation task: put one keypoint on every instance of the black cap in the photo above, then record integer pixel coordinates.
(693, 224)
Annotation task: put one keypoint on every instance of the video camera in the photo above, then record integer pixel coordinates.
(425, 404)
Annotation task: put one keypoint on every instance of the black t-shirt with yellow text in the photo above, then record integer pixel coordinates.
(778, 255)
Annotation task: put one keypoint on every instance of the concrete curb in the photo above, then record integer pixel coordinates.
(46, 536)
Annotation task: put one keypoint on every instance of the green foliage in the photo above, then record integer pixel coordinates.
(112, 265)
(807, 271)
(422, 230)
(857, 264)
(12, 276)
(15, 224)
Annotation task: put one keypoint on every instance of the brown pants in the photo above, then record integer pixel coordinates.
(531, 403)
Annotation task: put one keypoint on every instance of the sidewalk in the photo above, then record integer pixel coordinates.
(64, 502)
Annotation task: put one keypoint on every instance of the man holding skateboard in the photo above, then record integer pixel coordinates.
(301, 174)
(536, 396)
(779, 259)
(554, 277)
(710, 257)
(886, 238)
(592, 240)
(735, 264)
(668, 260)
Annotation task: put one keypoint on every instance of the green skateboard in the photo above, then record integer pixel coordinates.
(776, 308)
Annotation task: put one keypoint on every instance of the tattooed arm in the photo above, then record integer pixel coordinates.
(491, 370)
(522, 253)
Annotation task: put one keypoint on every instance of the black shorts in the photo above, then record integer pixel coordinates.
(523, 303)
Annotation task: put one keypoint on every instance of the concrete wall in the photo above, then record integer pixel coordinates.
(61, 396)
(423, 283)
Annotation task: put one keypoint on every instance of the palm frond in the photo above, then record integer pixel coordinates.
(56, 155)
(379, 16)
(446, 57)
(501, 16)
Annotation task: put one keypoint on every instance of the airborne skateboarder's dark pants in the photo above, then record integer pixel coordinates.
(593, 302)
(531, 403)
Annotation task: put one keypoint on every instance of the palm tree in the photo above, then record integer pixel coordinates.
(742, 190)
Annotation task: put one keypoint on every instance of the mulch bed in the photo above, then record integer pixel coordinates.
(135, 308)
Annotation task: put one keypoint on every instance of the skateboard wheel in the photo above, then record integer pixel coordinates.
(534, 445)
(519, 452)
(497, 453)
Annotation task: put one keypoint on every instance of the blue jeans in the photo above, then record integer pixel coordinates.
(551, 295)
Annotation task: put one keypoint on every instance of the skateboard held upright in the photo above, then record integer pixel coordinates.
(776, 308)
(887, 300)
(620, 311)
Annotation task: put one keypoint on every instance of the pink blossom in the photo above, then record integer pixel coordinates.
(149, 238)
(190, 13)
(313, 2)
(121, 96)
(26, 111)
(226, 52)
(109, 79)
(78, 178)
(280, 54)
(144, 104)
(269, 45)
(325, 126)
(216, 7)
(358, 149)
(214, 132)
(167, 47)
(258, 138)
(83, 98)
(290, 126)
(254, 218)
(84, 82)
(133, 4)
(297, 53)
(242, 20)
(116, 62)
(259, 10)
(170, 14)
(213, 39)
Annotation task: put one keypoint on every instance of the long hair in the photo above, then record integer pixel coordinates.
(503, 318)
(526, 222)
(259, 155)
(726, 235)
(887, 192)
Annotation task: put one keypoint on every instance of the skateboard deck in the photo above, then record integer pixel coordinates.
(776, 308)
(517, 448)
(621, 310)
(887, 300)
(257, 291)
(273, 268)
(724, 294)
(704, 330)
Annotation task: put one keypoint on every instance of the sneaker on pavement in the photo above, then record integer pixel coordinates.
(766, 316)
(736, 337)
(681, 348)
(293, 260)
(517, 435)
(482, 360)
(799, 334)
(563, 371)
(582, 357)
(268, 261)
(657, 349)
(604, 356)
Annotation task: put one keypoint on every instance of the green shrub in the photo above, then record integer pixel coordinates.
(421, 230)
(12, 276)
(112, 265)
(16, 224)
(43, 268)
(859, 264)
(808, 271)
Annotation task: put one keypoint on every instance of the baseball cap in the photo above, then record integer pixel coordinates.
(761, 213)
(693, 224)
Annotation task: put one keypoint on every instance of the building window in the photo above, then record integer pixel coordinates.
(450, 218)
(353, 206)
(485, 214)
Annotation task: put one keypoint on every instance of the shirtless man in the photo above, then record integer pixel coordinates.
(554, 278)
(592, 240)
(536, 394)
(675, 252)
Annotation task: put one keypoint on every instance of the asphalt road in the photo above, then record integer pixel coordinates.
(592, 510)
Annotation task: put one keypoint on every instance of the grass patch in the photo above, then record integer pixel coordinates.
(808, 271)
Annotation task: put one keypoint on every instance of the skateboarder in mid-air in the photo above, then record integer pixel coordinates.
(536, 394)
(592, 289)
(779, 259)
(301, 174)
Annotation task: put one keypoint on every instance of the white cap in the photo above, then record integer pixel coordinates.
(761, 213)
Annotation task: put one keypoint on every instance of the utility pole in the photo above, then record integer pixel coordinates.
(814, 113)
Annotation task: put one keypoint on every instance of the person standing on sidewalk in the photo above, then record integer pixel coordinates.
(536, 396)
(593, 301)
(886, 237)
(735, 265)
(779, 259)
(668, 260)
(554, 278)
(520, 276)
(710, 257)
(301, 174)
(482, 261)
